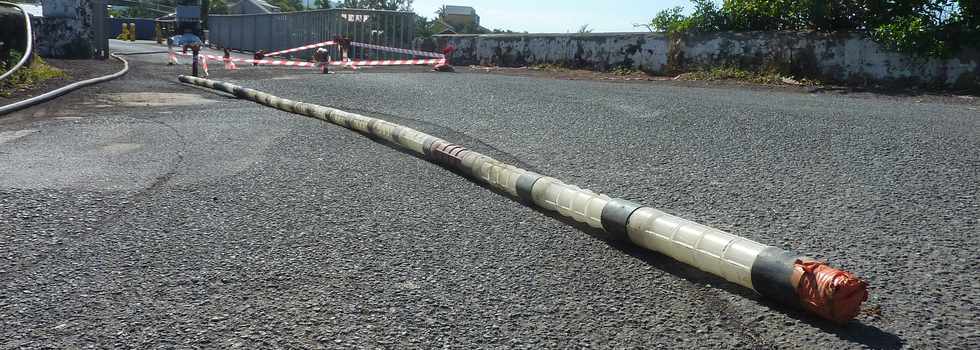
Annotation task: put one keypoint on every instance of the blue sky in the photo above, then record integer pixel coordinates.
(555, 16)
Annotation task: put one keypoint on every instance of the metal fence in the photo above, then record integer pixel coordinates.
(279, 31)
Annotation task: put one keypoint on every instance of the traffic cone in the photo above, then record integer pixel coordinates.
(229, 64)
(444, 65)
(204, 64)
(259, 55)
(322, 57)
(172, 57)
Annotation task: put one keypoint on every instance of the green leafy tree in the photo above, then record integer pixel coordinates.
(218, 7)
(936, 28)
(666, 20)
(322, 4)
(392, 5)
(138, 11)
(423, 27)
(288, 5)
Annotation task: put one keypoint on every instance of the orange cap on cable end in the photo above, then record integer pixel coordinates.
(831, 293)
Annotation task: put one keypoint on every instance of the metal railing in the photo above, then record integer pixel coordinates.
(271, 32)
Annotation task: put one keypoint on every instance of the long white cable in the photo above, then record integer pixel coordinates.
(65, 89)
(30, 41)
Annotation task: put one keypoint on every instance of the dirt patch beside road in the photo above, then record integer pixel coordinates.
(915, 95)
(77, 70)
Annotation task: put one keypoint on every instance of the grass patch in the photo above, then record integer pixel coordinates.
(559, 68)
(623, 70)
(28, 76)
(550, 67)
(768, 77)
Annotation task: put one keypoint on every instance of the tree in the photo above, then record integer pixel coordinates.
(322, 4)
(218, 7)
(138, 11)
(935, 28)
(288, 5)
(506, 31)
(423, 27)
(584, 29)
(665, 20)
(391, 5)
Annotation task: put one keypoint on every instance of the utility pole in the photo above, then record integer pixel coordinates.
(189, 28)
(205, 9)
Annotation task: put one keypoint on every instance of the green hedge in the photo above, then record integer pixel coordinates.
(928, 28)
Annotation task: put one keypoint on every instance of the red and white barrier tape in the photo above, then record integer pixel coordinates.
(248, 60)
(287, 63)
(397, 50)
(353, 64)
(389, 62)
(301, 48)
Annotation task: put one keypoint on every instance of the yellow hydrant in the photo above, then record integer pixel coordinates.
(157, 34)
(124, 34)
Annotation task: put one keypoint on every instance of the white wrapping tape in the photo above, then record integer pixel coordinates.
(706, 248)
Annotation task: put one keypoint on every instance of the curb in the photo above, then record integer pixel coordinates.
(36, 100)
(772, 272)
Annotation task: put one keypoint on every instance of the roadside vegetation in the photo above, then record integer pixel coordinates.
(624, 71)
(766, 77)
(27, 76)
(925, 28)
(920, 28)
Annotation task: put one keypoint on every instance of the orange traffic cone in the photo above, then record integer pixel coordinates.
(229, 64)
(172, 58)
(204, 64)
(445, 65)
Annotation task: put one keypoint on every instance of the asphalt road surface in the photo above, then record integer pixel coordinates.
(142, 213)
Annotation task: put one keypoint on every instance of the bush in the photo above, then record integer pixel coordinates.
(929, 28)
(707, 17)
(28, 75)
(668, 20)
(910, 34)
(767, 76)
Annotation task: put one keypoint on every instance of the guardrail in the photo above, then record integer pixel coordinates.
(29, 50)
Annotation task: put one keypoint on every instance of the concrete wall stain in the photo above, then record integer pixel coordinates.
(838, 57)
(66, 30)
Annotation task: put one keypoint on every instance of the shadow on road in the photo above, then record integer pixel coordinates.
(854, 331)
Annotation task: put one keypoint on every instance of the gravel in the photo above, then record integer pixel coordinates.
(243, 226)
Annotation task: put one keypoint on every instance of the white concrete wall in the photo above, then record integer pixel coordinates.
(844, 57)
(647, 51)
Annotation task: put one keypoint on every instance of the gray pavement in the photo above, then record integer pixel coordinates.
(218, 223)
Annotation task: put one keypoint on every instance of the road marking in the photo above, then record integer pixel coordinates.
(121, 147)
(7, 136)
(152, 99)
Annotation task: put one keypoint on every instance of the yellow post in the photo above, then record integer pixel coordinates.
(157, 34)
(132, 32)
(122, 34)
